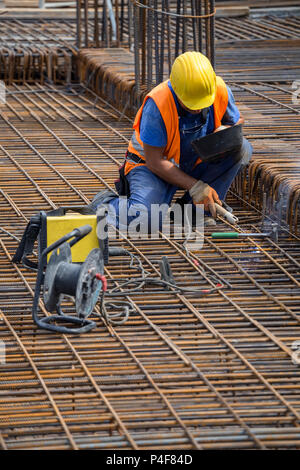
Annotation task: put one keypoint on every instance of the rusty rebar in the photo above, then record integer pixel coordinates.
(183, 372)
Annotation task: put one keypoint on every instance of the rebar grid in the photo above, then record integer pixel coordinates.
(272, 123)
(98, 32)
(23, 58)
(61, 32)
(52, 57)
(183, 372)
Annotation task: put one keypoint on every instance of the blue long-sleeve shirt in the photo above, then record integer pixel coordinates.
(191, 126)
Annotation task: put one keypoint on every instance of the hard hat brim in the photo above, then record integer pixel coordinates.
(202, 103)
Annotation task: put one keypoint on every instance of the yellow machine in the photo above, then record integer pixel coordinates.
(47, 227)
(58, 226)
(71, 264)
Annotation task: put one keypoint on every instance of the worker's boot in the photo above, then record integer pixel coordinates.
(103, 197)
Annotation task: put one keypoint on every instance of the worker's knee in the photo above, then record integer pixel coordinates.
(244, 154)
(148, 217)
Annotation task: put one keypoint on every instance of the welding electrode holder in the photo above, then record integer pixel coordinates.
(229, 216)
(62, 277)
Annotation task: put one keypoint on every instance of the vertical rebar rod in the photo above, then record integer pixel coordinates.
(96, 24)
(177, 34)
(169, 37)
(194, 24)
(136, 49)
(130, 17)
(78, 23)
(86, 23)
(162, 42)
(212, 33)
(143, 42)
(117, 14)
(207, 29)
(122, 18)
(156, 43)
(184, 27)
(199, 21)
(149, 47)
(264, 209)
(106, 16)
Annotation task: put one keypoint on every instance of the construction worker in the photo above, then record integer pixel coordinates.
(160, 159)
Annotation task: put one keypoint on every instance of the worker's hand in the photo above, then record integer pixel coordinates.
(202, 193)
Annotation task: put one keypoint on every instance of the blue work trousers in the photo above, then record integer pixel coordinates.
(146, 188)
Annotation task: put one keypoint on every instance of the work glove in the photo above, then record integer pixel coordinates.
(202, 193)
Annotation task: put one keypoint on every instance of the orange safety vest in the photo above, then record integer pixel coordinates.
(163, 98)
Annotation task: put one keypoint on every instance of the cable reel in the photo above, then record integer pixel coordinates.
(82, 281)
(64, 271)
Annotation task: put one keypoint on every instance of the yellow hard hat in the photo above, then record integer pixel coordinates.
(194, 80)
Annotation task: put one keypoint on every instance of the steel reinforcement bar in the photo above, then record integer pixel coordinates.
(184, 371)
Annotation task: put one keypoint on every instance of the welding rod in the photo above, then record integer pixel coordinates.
(230, 235)
(238, 235)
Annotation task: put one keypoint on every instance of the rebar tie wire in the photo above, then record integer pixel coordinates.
(163, 12)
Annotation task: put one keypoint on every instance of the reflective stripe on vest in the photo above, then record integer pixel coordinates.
(173, 161)
(164, 100)
(138, 149)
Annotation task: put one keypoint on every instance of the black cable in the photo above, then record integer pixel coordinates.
(115, 318)
(160, 282)
(126, 306)
(139, 282)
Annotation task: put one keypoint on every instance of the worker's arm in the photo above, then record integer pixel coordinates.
(232, 115)
(201, 193)
(165, 169)
(240, 121)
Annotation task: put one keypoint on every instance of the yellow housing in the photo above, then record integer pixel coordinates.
(57, 227)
